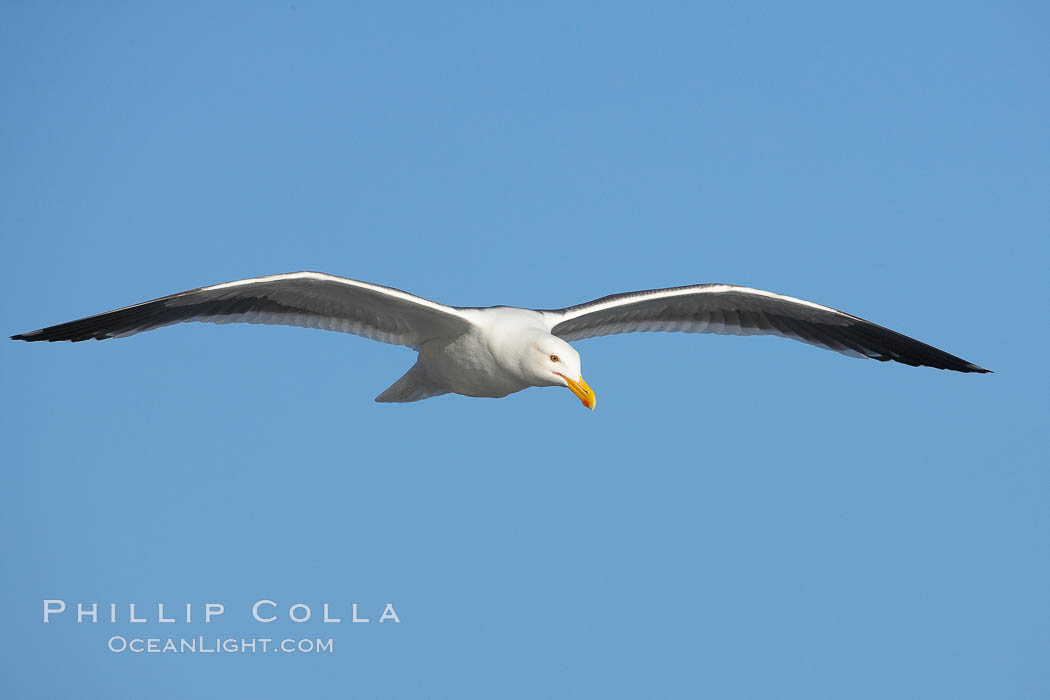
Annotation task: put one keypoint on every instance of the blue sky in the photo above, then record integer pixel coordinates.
(740, 518)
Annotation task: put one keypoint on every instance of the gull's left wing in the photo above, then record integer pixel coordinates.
(306, 299)
(733, 310)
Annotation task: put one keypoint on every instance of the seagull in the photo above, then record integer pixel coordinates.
(494, 351)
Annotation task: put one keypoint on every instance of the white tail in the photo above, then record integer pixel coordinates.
(412, 386)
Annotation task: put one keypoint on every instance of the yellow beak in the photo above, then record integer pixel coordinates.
(583, 392)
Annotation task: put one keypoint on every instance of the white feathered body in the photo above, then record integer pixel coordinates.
(486, 360)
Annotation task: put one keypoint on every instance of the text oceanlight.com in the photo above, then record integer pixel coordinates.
(217, 645)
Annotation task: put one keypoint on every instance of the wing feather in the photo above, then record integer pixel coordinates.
(730, 309)
(305, 299)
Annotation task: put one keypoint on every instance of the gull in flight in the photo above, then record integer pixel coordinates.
(497, 350)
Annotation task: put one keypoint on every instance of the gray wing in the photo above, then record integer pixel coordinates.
(733, 310)
(306, 299)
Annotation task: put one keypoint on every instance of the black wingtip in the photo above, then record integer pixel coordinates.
(30, 336)
(965, 368)
(968, 368)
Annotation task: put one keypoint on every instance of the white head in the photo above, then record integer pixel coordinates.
(550, 361)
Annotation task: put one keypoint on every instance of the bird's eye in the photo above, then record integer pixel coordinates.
(554, 358)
